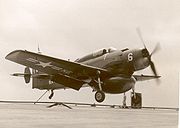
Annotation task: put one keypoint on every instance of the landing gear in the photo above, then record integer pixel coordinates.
(52, 94)
(99, 95)
(136, 100)
(124, 101)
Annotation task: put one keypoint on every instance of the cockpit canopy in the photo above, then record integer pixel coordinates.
(104, 51)
(96, 54)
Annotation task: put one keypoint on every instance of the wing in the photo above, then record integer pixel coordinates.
(145, 77)
(63, 72)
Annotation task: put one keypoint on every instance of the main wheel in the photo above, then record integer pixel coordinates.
(99, 96)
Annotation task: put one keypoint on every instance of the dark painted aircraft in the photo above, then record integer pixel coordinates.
(106, 71)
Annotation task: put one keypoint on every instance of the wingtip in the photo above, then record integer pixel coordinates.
(12, 55)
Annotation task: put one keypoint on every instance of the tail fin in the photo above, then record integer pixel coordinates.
(27, 76)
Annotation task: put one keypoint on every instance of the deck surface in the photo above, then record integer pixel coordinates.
(36, 116)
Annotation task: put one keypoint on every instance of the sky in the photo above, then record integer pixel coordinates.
(69, 29)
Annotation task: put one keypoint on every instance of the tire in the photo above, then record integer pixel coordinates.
(99, 96)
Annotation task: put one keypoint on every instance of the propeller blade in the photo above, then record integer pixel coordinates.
(140, 36)
(153, 68)
(155, 72)
(157, 48)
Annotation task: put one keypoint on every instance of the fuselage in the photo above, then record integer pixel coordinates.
(118, 61)
(121, 64)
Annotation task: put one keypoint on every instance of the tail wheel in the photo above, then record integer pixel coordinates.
(52, 94)
(99, 96)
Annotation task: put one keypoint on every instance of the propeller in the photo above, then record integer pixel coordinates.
(153, 68)
(157, 48)
(140, 36)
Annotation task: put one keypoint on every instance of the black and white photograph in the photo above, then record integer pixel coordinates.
(89, 63)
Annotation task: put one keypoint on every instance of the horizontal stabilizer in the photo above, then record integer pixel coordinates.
(42, 76)
(21, 74)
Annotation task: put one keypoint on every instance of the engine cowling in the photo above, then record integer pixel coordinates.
(118, 84)
(27, 75)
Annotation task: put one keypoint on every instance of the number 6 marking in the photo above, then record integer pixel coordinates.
(130, 57)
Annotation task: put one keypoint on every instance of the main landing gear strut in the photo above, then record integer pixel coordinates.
(99, 95)
(124, 101)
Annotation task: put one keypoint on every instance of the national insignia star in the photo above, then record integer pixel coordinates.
(48, 64)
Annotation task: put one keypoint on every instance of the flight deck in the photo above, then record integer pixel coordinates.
(28, 115)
